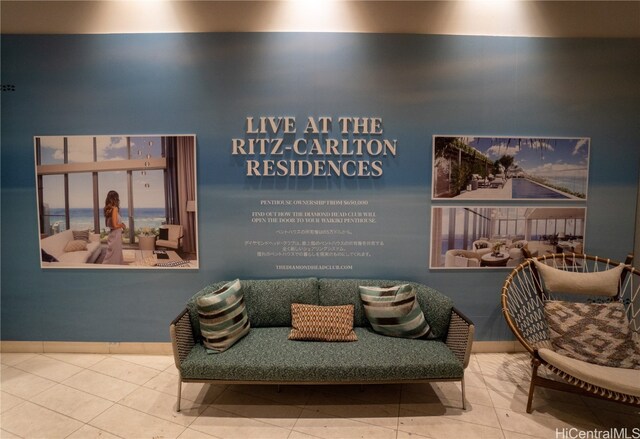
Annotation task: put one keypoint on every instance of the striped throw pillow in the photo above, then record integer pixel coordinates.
(394, 311)
(223, 317)
(322, 323)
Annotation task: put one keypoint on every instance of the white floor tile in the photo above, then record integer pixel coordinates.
(158, 362)
(23, 384)
(100, 385)
(507, 367)
(11, 358)
(226, 425)
(534, 425)
(74, 403)
(440, 427)
(163, 406)
(473, 379)
(89, 432)
(80, 360)
(405, 435)
(330, 427)
(378, 393)
(190, 433)
(617, 419)
(4, 434)
(610, 406)
(47, 367)
(197, 392)
(29, 420)
(125, 370)
(260, 409)
(382, 415)
(298, 435)
(291, 395)
(129, 423)
(116, 396)
(513, 435)
(9, 401)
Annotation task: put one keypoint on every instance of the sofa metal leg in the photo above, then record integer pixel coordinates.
(278, 389)
(464, 397)
(179, 394)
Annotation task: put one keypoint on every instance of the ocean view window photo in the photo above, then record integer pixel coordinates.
(503, 237)
(117, 201)
(510, 168)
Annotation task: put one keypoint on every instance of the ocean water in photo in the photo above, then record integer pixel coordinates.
(83, 218)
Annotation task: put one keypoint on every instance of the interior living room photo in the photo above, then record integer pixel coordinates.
(305, 219)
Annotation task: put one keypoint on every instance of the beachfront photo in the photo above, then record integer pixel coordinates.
(503, 237)
(510, 168)
(117, 201)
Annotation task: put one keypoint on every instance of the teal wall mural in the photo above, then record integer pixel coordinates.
(408, 87)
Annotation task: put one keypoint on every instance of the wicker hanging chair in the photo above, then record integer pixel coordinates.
(523, 304)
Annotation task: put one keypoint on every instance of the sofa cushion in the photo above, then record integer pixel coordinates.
(268, 302)
(599, 283)
(266, 354)
(435, 306)
(394, 311)
(322, 323)
(223, 317)
(597, 333)
(75, 245)
(626, 381)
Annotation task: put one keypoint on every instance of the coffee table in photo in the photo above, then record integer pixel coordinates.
(499, 260)
(147, 258)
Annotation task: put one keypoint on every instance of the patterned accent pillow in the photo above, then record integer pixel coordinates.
(322, 323)
(76, 245)
(480, 245)
(593, 332)
(394, 311)
(163, 234)
(223, 317)
(81, 235)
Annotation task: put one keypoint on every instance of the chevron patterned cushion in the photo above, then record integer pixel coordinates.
(394, 311)
(223, 317)
(322, 323)
(593, 332)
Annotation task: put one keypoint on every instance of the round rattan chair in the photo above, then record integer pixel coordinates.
(523, 297)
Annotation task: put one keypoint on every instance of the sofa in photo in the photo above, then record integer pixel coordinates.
(70, 247)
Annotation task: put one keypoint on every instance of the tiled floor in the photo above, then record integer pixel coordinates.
(133, 396)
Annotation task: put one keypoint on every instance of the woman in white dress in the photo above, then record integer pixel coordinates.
(115, 225)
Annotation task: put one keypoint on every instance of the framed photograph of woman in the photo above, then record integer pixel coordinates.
(117, 201)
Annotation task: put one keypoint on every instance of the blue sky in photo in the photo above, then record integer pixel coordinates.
(551, 157)
(148, 187)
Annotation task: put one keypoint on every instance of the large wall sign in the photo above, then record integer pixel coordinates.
(151, 178)
(279, 147)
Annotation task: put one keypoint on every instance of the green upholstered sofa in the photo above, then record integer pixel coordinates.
(266, 356)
